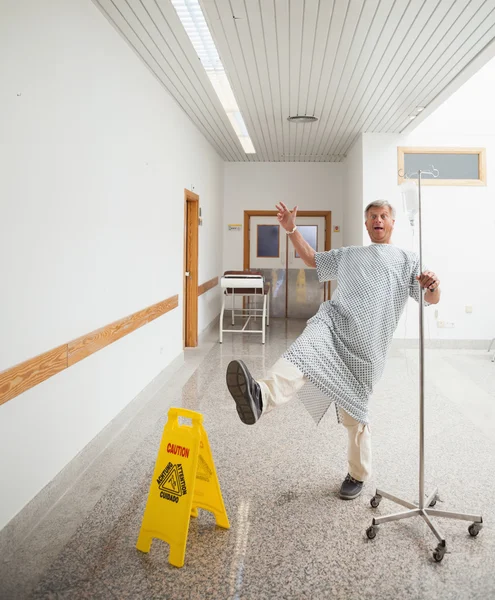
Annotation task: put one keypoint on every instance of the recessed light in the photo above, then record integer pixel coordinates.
(411, 117)
(302, 119)
(420, 108)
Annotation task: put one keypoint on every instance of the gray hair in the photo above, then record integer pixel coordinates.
(379, 204)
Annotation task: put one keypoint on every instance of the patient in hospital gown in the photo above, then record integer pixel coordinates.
(341, 353)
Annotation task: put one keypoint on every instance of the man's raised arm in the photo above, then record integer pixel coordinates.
(288, 221)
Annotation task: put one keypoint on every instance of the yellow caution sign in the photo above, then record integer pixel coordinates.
(184, 480)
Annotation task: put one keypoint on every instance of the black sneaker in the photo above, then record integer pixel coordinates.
(350, 488)
(246, 392)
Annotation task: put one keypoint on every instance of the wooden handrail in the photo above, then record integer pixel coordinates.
(22, 377)
(204, 287)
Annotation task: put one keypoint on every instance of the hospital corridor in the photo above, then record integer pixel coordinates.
(247, 337)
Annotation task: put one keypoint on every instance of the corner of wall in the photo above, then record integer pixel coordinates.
(353, 195)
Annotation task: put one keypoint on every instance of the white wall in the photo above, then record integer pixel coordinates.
(353, 220)
(95, 157)
(259, 186)
(459, 222)
(458, 233)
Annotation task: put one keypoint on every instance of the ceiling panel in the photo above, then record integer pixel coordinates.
(323, 78)
(376, 66)
(353, 58)
(435, 17)
(311, 17)
(348, 46)
(443, 66)
(356, 65)
(359, 77)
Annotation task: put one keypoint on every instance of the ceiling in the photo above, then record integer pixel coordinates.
(358, 65)
(478, 96)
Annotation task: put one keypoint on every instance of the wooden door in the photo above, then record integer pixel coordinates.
(191, 218)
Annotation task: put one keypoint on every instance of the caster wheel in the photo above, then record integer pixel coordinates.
(375, 501)
(433, 502)
(371, 532)
(439, 553)
(474, 529)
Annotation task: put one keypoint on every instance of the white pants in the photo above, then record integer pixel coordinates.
(284, 381)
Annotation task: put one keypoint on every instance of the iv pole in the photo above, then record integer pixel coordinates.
(424, 508)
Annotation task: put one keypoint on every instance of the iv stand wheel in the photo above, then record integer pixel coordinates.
(433, 502)
(371, 532)
(375, 501)
(474, 529)
(439, 553)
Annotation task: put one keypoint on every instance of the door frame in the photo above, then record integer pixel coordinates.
(191, 235)
(327, 214)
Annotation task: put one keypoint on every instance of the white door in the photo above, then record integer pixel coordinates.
(295, 289)
(268, 253)
(305, 293)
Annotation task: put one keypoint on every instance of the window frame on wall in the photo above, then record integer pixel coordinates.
(481, 152)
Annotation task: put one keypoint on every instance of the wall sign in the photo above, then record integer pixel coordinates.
(235, 227)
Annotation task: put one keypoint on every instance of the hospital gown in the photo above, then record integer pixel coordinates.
(343, 348)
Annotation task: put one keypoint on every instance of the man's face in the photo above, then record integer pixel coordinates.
(380, 224)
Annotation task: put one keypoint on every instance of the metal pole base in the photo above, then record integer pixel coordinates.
(424, 510)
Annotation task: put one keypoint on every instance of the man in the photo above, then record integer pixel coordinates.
(342, 351)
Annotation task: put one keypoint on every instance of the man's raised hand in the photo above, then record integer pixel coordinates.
(285, 217)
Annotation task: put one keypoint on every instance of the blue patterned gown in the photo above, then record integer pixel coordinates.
(343, 348)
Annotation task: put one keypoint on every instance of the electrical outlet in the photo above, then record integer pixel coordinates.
(440, 324)
(469, 309)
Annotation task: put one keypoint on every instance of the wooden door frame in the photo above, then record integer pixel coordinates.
(327, 214)
(191, 235)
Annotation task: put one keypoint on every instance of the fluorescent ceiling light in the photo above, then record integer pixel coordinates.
(194, 23)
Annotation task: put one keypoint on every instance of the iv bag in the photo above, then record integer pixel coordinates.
(409, 190)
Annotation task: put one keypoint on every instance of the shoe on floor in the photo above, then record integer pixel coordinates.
(246, 392)
(350, 488)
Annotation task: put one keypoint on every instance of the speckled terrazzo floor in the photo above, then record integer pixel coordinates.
(290, 536)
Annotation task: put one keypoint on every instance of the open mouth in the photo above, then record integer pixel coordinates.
(378, 228)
